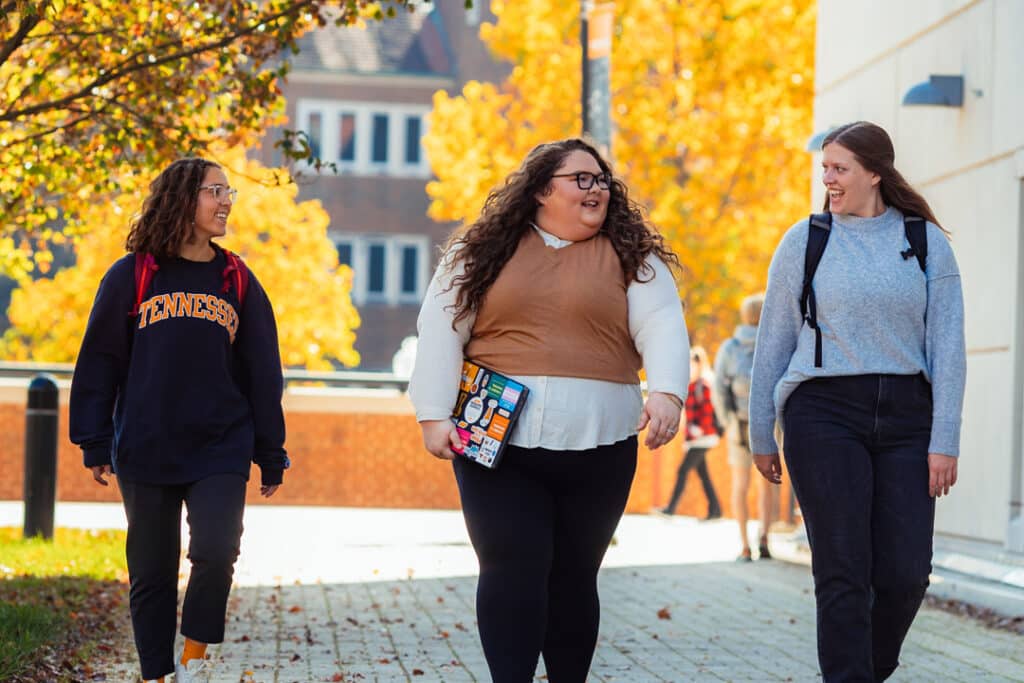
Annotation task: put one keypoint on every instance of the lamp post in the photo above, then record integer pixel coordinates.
(597, 20)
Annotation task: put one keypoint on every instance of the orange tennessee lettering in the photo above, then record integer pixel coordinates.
(144, 310)
(170, 306)
(183, 304)
(211, 307)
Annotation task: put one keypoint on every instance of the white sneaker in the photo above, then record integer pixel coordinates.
(196, 671)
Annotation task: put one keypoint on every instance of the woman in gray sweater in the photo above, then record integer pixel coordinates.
(869, 394)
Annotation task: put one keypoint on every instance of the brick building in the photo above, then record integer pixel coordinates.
(363, 95)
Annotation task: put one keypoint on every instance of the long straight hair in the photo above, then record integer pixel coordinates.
(873, 149)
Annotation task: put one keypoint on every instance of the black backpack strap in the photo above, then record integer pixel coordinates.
(818, 229)
(917, 236)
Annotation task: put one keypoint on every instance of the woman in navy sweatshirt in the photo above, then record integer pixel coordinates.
(177, 390)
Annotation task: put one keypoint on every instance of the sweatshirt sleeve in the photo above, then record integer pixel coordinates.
(434, 384)
(945, 348)
(260, 361)
(777, 336)
(102, 364)
(658, 329)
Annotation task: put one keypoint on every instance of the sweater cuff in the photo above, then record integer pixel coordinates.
(97, 456)
(433, 413)
(945, 437)
(762, 438)
(271, 476)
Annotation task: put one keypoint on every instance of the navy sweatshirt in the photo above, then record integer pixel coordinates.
(189, 388)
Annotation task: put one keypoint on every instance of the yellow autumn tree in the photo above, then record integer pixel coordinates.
(284, 242)
(711, 103)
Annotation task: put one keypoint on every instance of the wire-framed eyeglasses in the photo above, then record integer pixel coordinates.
(221, 191)
(585, 180)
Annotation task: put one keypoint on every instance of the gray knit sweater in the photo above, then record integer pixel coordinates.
(878, 313)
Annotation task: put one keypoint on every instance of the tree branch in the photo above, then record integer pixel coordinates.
(129, 67)
(50, 131)
(28, 22)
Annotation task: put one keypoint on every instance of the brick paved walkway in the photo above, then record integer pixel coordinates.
(376, 595)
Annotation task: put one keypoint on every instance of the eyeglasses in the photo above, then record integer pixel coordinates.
(585, 180)
(219, 191)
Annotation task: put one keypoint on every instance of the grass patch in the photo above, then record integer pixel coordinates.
(59, 602)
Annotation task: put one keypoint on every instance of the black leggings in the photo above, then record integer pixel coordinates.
(695, 458)
(540, 525)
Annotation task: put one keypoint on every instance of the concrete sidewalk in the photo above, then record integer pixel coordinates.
(330, 594)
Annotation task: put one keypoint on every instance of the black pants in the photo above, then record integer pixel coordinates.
(153, 550)
(695, 458)
(857, 450)
(540, 525)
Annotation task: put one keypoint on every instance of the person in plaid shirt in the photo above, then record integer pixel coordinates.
(701, 434)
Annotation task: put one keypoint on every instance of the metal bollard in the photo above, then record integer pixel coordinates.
(40, 490)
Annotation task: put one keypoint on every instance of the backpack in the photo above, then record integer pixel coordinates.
(738, 387)
(819, 228)
(235, 273)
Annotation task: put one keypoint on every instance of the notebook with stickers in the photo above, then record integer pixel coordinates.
(486, 411)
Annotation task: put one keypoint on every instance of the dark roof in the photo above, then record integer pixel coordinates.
(410, 43)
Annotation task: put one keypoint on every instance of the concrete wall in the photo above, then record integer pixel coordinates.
(969, 163)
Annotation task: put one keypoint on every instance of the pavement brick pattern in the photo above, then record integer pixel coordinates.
(689, 622)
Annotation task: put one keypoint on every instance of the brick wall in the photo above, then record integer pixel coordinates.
(352, 450)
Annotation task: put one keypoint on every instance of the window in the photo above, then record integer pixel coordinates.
(410, 270)
(345, 253)
(386, 269)
(314, 132)
(367, 138)
(376, 258)
(347, 136)
(380, 139)
(412, 140)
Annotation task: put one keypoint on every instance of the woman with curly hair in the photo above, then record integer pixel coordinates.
(562, 285)
(177, 390)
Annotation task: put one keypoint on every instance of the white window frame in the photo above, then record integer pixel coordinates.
(393, 245)
(330, 143)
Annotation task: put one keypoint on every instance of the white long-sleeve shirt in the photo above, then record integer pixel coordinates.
(561, 413)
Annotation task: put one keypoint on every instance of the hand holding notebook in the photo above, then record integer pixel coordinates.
(486, 410)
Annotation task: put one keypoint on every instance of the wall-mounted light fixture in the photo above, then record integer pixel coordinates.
(814, 142)
(939, 91)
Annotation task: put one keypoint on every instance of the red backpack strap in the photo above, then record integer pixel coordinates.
(237, 273)
(145, 268)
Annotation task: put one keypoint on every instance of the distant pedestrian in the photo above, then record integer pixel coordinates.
(733, 364)
(869, 391)
(701, 435)
(177, 391)
(564, 286)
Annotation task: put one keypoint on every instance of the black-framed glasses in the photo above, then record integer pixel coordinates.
(585, 180)
(220, 191)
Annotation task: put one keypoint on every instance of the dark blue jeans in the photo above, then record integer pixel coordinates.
(540, 524)
(856, 449)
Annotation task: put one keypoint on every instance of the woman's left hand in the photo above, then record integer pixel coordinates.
(941, 474)
(268, 491)
(661, 417)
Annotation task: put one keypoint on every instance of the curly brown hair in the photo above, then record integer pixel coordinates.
(488, 244)
(167, 215)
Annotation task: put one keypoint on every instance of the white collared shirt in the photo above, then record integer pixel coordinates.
(561, 413)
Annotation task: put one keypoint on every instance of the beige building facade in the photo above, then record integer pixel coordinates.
(968, 161)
